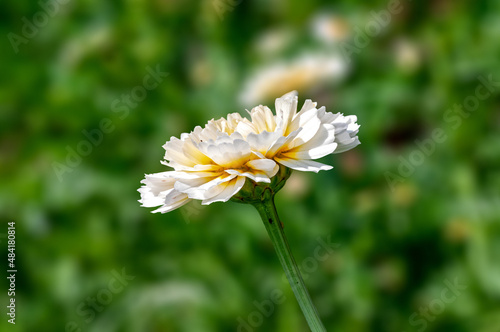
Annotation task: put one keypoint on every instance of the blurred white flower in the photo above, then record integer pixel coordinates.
(305, 72)
(329, 28)
(274, 41)
(407, 54)
(211, 164)
(86, 41)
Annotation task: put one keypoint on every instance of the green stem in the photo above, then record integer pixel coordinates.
(274, 227)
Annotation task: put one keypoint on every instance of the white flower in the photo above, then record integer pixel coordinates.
(211, 164)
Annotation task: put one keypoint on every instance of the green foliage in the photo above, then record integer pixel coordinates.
(414, 208)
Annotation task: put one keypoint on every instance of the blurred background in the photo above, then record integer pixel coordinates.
(402, 235)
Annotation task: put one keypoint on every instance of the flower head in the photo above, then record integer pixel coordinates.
(213, 163)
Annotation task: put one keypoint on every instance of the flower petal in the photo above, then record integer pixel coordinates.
(303, 165)
(346, 130)
(263, 141)
(307, 111)
(174, 152)
(257, 176)
(286, 107)
(268, 166)
(149, 199)
(263, 119)
(231, 188)
(173, 201)
(259, 170)
(159, 182)
(348, 146)
(309, 130)
(281, 143)
(314, 153)
(227, 152)
(208, 189)
(246, 127)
